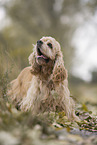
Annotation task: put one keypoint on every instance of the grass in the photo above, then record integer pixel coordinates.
(48, 128)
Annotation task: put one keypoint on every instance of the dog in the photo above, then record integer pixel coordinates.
(43, 86)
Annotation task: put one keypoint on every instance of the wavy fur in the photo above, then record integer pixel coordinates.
(44, 86)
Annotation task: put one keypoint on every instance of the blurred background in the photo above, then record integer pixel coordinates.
(71, 22)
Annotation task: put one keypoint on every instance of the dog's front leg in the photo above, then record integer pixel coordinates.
(66, 102)
(32, 99)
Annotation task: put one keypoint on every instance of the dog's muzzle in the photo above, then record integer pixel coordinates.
(40, 55)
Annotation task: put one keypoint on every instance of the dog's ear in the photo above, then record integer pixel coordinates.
(59, 71)
(32, 60)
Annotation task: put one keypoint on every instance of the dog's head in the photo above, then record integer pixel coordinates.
(47, 53)
(47, 48)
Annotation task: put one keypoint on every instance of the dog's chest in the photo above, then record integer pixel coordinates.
(45, 72)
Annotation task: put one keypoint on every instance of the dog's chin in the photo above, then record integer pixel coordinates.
(42, 61)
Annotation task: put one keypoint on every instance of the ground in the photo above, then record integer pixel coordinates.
(20, 128)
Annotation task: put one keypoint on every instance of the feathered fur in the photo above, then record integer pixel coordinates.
(44, 86)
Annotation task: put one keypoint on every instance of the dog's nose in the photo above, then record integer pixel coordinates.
(39, 42)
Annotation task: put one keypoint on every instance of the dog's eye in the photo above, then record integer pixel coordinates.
(50, 45)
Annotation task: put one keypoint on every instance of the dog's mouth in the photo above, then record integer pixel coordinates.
(40, 55)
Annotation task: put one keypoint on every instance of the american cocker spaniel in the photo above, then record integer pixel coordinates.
(43, 86)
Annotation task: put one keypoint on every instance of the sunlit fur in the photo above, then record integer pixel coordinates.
(44, 86)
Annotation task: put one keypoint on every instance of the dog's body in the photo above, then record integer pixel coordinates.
(43, 86)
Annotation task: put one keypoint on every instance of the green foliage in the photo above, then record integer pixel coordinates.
(46, 127)
(3, 84)
(88, 122)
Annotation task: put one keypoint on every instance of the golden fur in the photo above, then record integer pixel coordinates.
(43, 86)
